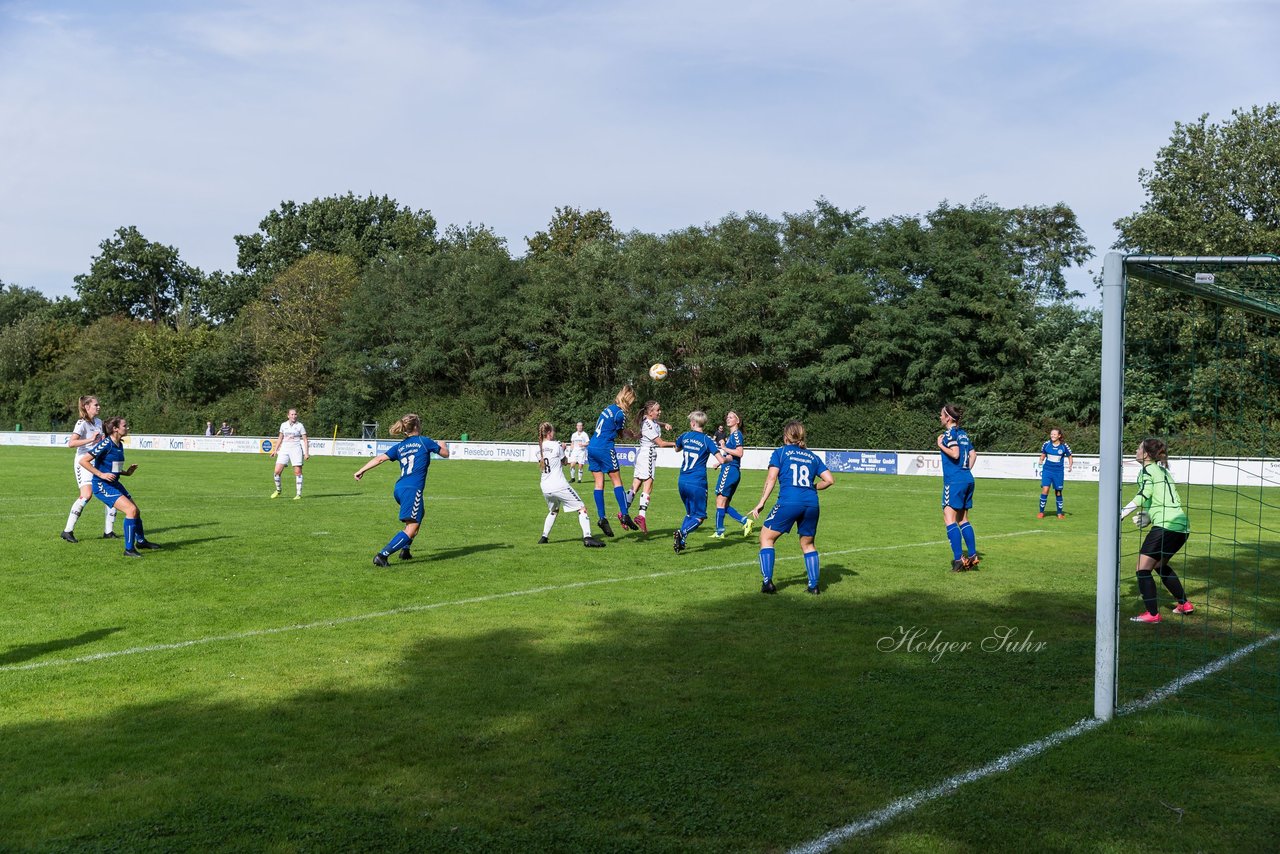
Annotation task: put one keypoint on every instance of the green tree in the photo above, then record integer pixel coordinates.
(17, 303)
(1214, 189)
(360, 228)
(137, 278)
(570, 230)
(291, 323)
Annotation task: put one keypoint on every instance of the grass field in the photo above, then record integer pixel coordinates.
(259, 685)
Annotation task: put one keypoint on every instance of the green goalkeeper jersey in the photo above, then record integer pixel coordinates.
(1160, 498)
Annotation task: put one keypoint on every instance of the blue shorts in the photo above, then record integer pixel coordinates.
(727, 484)
(803, 516)
(958, 495)
(410, 501)
(109, 493)
(602, 459)
(694, 496)
(1051, 478)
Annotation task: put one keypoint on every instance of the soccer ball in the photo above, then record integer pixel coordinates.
(658, 372)
(1142, 519)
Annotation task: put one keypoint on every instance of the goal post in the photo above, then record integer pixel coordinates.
(1232, 318)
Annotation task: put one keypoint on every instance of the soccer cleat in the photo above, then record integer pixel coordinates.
(814, 590)
(69, 537)
(132, 553)
(627, 522)
(1184, 608)
(147, 544)
(298, 497)
(972, 561)
(746, 527)
(379, 560)
(604, 526)
(1144, 617)
(541, 540)
(959, 565)
(275, 494)
(405, 554)
(1062, 515)
(592, 543)
(679, 545)
(644, 526)
(110, 535)
(767, 587)
(717, 535)
(1040, 515)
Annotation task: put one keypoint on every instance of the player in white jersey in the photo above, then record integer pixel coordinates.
(291, 448)
(578, 452)
(556, 490)
(87, 432)
(647, 458)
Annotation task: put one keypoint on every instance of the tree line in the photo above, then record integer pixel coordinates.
(356, 309)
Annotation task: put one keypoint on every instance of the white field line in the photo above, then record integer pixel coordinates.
(908, 803)
(431, 606)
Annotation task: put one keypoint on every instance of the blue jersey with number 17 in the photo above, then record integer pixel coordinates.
(414, 456)
(695, 449)
(798, 472)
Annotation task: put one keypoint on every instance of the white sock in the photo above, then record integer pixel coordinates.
(298, 480)
(109, 523)
(585, 521)
(277, 480)
(546, 526)
(74, 516)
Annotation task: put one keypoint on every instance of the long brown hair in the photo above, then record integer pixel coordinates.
(109, 426)
(1156, 450)
(85, 401)
(407, 425)
(545, 429)
(1062, 437)
(954, 412)
(793, 433)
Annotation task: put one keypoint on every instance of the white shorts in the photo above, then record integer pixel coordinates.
(577, 456)
(564, 498)
(84, 477)
(646, 459)
(289, 456)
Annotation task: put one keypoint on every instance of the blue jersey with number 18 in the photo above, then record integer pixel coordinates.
(414, 456)
(798, 472)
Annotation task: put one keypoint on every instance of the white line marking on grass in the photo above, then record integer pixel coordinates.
(908, 803)
(431, 606)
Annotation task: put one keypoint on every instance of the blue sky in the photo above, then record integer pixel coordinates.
(192, 120)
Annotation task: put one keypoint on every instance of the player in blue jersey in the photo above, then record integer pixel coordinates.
(729, 440)
(694, 448)
(958, 457)
(800, 473)
(105, 461)
(1052, 455)
(602, 459)
(414, 455)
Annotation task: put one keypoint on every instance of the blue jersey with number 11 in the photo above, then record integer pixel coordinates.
(414, 456)
(798, 472)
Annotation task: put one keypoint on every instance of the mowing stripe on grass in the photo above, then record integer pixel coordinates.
(430, 606)
(906, 804)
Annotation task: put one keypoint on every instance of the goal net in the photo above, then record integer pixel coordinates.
(1191, 356)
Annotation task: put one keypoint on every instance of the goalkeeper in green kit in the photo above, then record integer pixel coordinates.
(1158, 505)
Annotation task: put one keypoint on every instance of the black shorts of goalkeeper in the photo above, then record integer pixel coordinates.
(1162, 544)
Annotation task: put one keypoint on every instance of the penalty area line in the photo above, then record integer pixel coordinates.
(906, 804)
(431, 606)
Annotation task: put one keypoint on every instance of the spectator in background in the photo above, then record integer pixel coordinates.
(226, 430)
(208, 428)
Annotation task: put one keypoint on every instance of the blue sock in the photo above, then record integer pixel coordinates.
(719, 520)
(130, 532)
(140, 533)
(689, 524)
(400, 541)
(1044, 499)
(735, 515)
(766, 564)
(1059, 503)
(953, 535)
(599, 496)
(966, 531)
(620, 494)
(811, 567)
